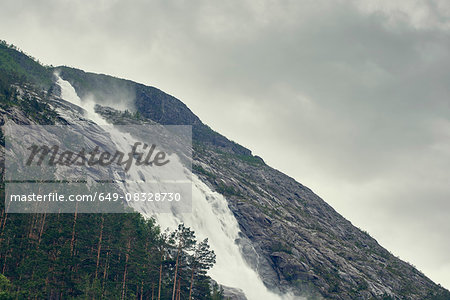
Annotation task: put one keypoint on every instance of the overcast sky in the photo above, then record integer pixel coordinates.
(351, 98)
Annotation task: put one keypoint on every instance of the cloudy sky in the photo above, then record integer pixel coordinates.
(351, 98)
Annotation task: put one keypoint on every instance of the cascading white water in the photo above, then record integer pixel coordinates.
(210, 217)
(68, 93)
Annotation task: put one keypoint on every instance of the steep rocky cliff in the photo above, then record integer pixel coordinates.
(301, 243)
(293, 238)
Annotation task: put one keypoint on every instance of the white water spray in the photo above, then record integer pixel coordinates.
(210, 216)
(69, 94)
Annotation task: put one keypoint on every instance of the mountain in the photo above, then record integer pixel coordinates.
(296, 242)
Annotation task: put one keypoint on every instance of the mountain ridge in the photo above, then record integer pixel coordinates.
(301, 242)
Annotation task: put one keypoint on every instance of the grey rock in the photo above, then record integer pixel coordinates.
(233, 293)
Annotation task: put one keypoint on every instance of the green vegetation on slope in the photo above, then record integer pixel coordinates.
(18, 67)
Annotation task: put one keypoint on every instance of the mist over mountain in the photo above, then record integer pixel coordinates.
(289, 241)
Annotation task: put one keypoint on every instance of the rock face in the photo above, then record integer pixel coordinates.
(233, 294)
(294, 239)
(306, 242)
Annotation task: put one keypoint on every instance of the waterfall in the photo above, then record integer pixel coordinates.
(210, 217)
(69, 94)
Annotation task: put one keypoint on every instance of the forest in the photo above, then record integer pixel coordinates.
(101, 256)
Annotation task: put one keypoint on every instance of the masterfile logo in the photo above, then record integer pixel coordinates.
(97, 157)
(91, 168)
